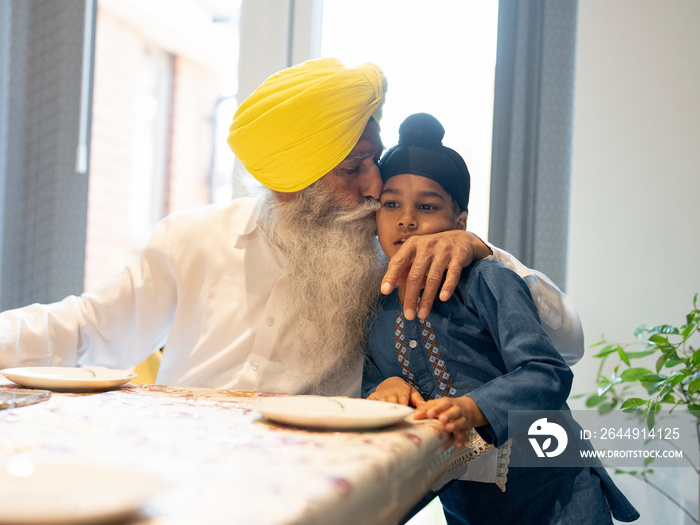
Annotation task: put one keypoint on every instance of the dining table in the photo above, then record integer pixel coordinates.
(209, 456)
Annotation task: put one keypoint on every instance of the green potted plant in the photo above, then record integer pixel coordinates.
(658, 372)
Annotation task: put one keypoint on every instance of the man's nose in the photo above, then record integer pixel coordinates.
(371, 183)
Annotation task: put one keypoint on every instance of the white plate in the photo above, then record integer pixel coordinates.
(330, 412)
(70, 493)
(68, 378)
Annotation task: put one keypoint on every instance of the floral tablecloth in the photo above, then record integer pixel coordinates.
(220, 461)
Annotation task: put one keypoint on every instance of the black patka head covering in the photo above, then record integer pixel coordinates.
(420, 152)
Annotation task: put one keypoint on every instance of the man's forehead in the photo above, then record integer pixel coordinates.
(365, 148)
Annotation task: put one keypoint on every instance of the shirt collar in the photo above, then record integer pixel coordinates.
(244, 217)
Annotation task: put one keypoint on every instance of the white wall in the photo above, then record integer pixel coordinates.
(634, 252)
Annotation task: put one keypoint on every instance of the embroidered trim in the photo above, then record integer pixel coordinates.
(400, 346)
(475, 446)
(502, 465)
(436, 361)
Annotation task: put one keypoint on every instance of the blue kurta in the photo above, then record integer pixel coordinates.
(487, 342)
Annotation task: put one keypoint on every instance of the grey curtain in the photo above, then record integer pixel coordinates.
(532, 132)
(43, 200)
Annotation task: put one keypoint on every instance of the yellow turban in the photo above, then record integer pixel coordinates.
(303, 121)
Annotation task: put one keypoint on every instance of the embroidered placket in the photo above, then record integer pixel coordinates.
(437, 363)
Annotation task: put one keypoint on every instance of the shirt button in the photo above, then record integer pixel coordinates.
(413, 343)
(270, 321)
(254, 366)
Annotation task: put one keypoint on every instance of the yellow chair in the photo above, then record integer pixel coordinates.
(148, 369)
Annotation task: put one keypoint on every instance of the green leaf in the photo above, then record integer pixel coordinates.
(676, 378)
(694, 386)
(623, 356)
(607, 350)
(597, 343)
(594, 400)
(668, 398)
(694, 409)
(695, 358)
(641, 353)
(648, 460)
(604, 408)
(659, 341)
(634, 374)
(660, 362)
(663, 329)
(632, 404)
(653, 388)
(673, 362)
(602, 389)
(639, 332)
(651, 415)
(652, 378)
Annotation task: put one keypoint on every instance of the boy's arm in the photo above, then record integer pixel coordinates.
(536, 376)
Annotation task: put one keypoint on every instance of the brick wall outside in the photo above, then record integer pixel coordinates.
(119, 53)
(194, 96)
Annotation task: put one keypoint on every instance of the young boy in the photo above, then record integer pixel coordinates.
(476, 356)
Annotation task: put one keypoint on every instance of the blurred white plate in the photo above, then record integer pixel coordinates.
(330, 412)
(68, 378)
(70, 493)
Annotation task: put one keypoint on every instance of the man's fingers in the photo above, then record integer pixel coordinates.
(414, 285)
(398, 268)
(451, 280)
(432, 283)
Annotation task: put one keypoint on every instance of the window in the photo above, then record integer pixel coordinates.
(439, 58)
(162, 76)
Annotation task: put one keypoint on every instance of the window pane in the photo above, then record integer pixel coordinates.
(164, 72)
(439, 57)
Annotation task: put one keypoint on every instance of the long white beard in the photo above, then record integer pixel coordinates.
(335, 266)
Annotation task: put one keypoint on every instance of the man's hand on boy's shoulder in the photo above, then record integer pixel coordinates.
(396, 390)
(421, 263)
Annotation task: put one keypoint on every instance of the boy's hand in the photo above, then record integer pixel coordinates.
(457, 414)
(396, 390)
(425, 259)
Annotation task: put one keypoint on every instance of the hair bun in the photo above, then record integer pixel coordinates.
(421, 129)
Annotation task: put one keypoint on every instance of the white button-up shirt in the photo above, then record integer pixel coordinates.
(209, 287)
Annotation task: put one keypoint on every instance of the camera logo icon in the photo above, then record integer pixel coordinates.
(541, 428)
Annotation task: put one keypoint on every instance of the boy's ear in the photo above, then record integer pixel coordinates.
(462, 221)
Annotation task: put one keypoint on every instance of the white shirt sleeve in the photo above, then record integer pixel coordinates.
(117, 326)
(557, 312)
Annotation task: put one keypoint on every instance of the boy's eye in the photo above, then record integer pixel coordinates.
(390, 204)
(427, 207)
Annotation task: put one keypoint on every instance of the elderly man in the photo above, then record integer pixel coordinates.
(270, 293)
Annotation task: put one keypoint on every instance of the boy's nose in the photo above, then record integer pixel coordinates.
(407, 221)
